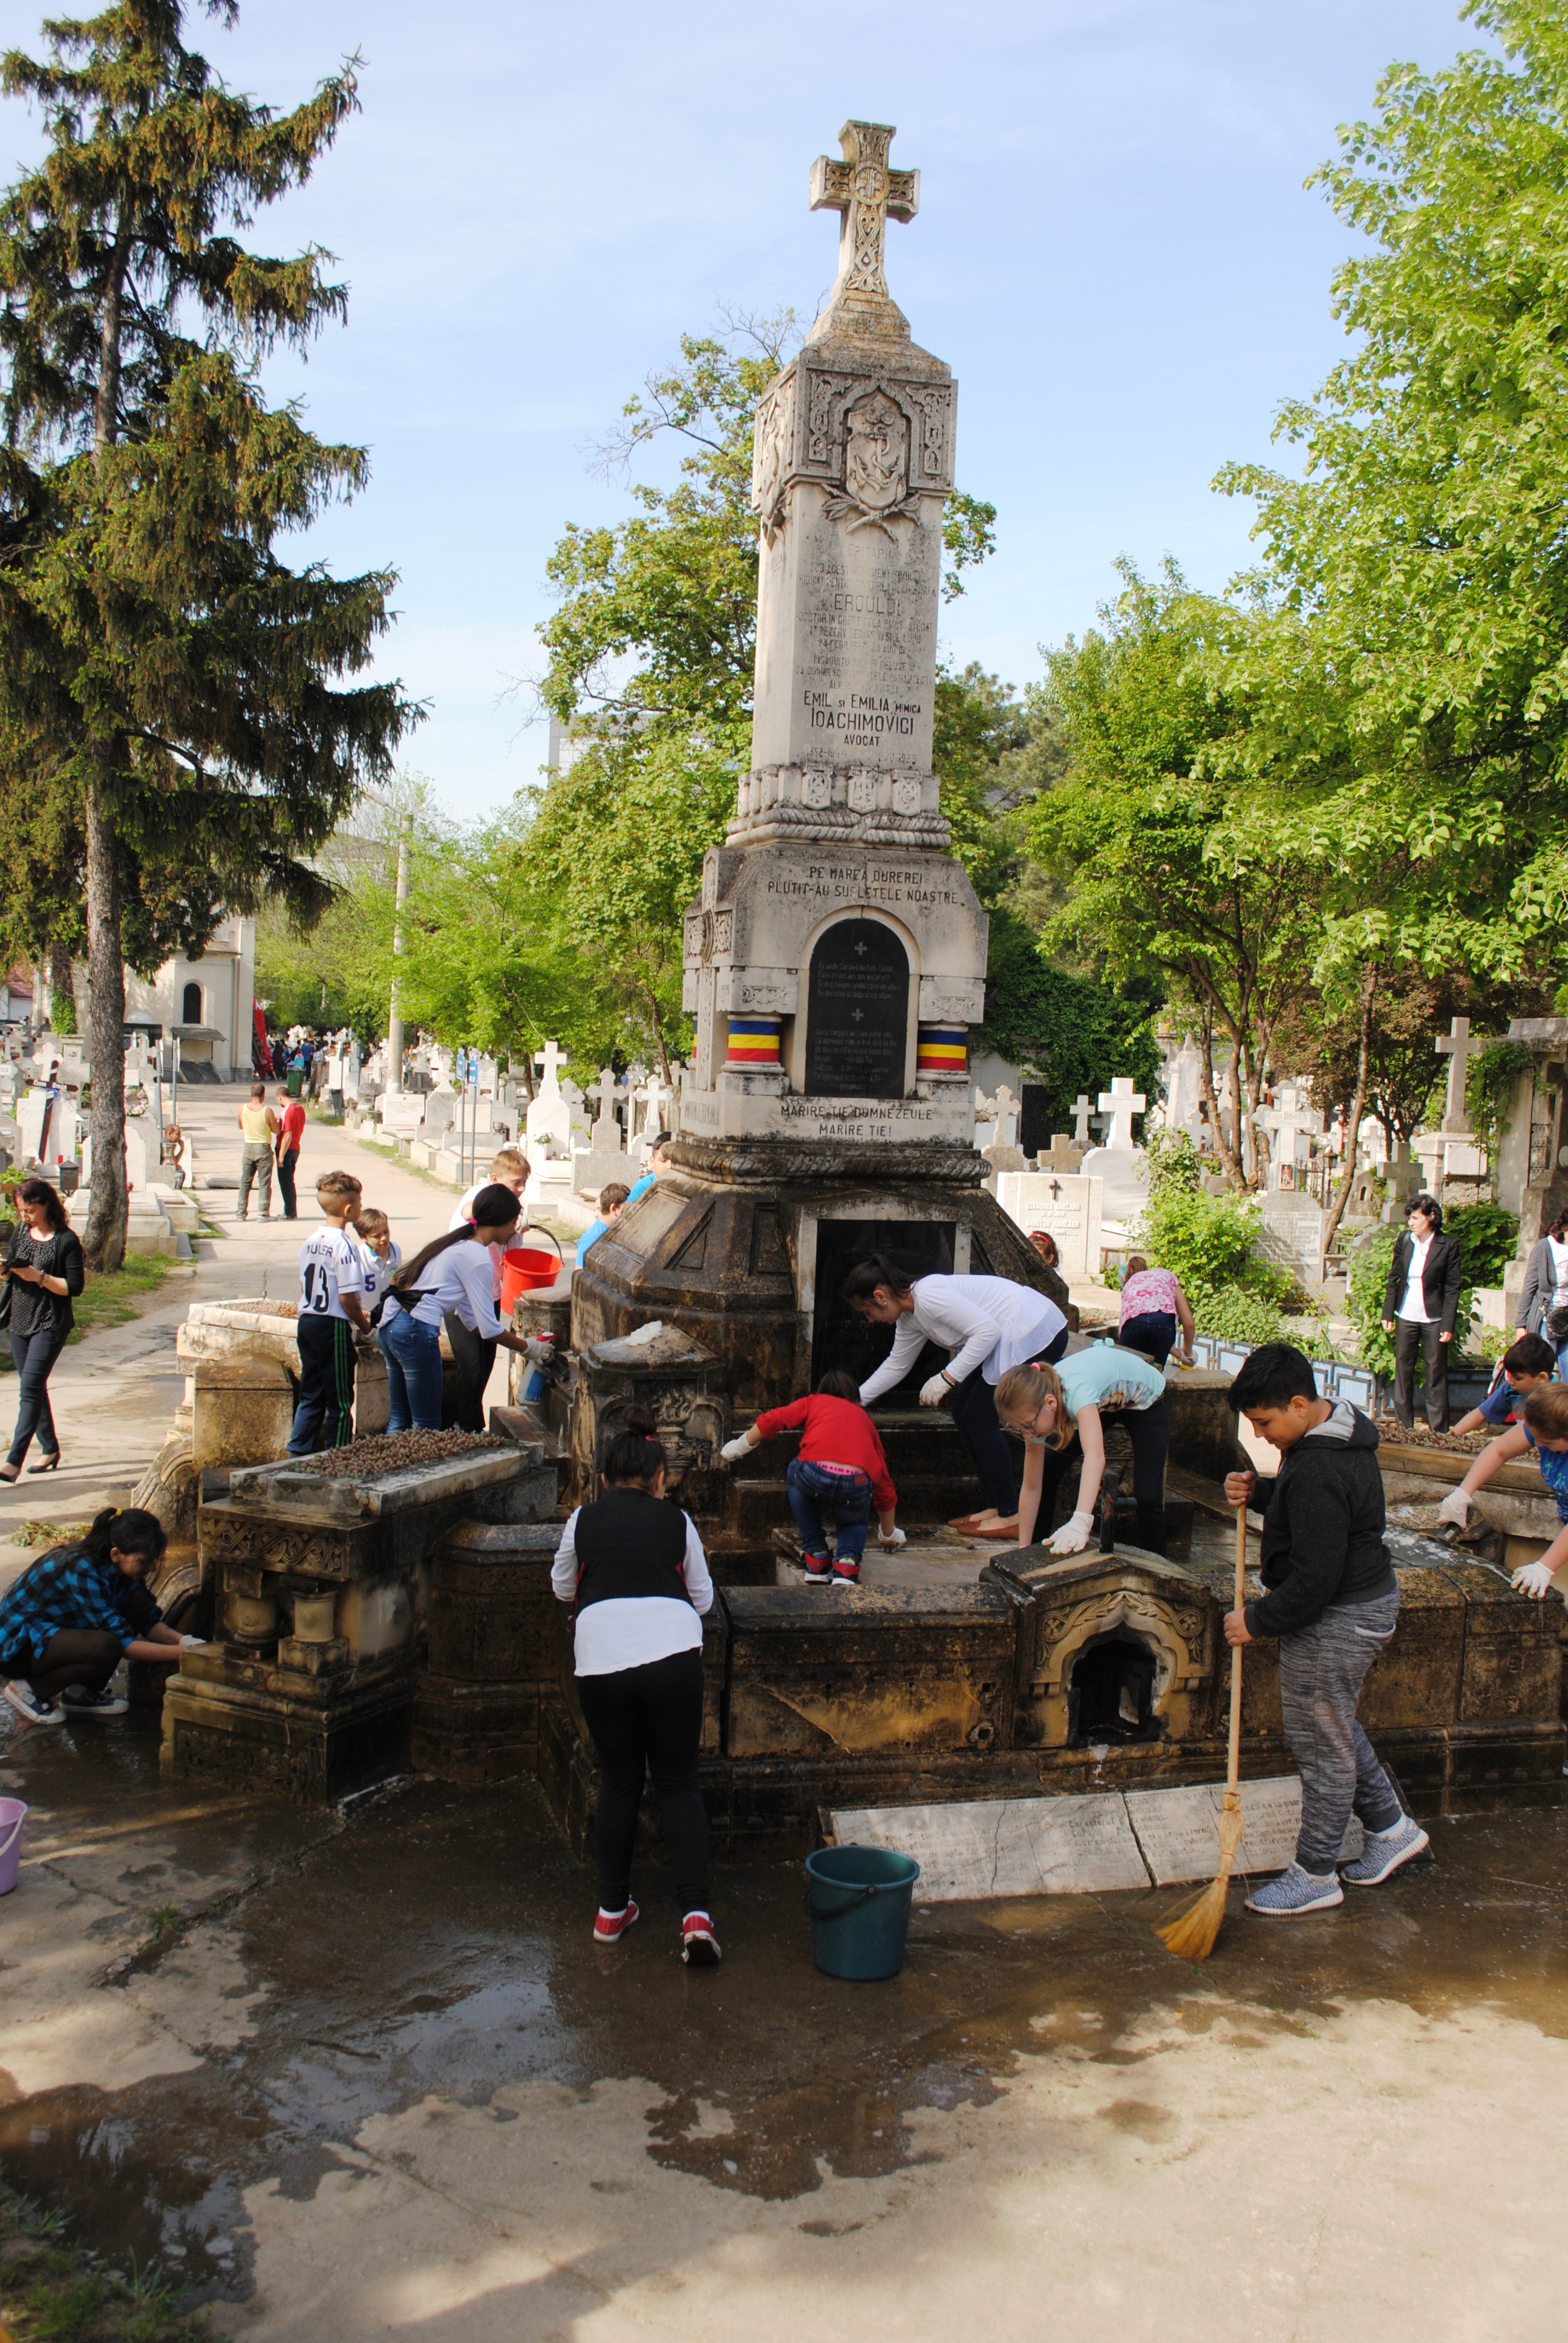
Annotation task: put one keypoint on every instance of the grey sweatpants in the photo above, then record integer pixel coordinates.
(1321, 1669)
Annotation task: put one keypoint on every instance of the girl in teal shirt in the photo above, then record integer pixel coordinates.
(1063, 1409)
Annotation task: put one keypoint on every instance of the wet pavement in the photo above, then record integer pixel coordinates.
(362, 2071)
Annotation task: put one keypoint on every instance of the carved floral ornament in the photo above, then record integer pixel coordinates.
(879, 443)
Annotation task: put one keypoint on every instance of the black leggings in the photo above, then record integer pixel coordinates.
(973, 1405)
(649, 1720)
(1149, 1428)
(73, 1655)
(473, 1355)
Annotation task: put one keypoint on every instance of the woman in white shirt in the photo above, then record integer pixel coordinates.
(987, 1324)
(452, 1273)
(1063, 1408)
(635, 1569)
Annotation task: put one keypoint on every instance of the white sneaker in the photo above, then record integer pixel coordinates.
(1384, 1852)
(1296, 1892)
(26, 1703)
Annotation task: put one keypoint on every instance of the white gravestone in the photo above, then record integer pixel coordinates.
(32, 1126)
(603, 1160)
(403, 1114)
(550, 1118)
(440, 1111)
(1067, 1206)
(1292, 1123)
(1063, 1156)
(1120, 1102)
(1124, 1171)
(1458, 1048)
(1081, 1119)
(1178, 1830)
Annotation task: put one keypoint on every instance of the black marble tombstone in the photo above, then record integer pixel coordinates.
(857, 1012)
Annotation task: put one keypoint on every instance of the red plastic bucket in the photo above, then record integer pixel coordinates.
(525, 1269)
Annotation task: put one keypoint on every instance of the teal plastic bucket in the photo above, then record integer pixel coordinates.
(858, 1905)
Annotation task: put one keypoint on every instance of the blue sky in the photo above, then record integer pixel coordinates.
(1115, 253)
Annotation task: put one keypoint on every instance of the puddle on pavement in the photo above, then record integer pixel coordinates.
(440, 1946)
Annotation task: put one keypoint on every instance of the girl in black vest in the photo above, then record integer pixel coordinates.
(636, 1570)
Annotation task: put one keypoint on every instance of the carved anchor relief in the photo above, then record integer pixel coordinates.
(876, 468)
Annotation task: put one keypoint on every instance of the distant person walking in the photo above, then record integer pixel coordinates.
(43, 1269)
(288, 1137)
(258, 1130)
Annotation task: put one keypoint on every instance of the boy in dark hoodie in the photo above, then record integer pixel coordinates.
(1332, 1601)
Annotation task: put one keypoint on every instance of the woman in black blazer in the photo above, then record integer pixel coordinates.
(1433, 1334)
(43, 1269)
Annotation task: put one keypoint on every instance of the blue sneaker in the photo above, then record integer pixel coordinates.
(1384, 1852)
(1294, 1893)
(78, 1701)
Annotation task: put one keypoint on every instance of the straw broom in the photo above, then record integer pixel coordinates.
(1194, 1930)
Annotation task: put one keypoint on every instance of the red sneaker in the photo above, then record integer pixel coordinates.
(610, 1928)
(845, 1574)
(698, 1945)
(817, 1565)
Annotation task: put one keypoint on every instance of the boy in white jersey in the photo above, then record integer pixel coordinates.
(331, 1305)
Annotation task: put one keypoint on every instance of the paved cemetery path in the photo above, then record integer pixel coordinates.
(358, 2072)
(114, 1394)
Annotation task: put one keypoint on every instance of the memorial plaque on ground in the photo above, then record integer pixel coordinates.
(857, 1012)
(1178, 1830)
(1006, 1846)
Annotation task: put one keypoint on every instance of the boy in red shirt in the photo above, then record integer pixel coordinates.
(839, 1458)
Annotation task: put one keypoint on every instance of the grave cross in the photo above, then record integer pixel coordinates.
(1458, 1048)
(552, 1061)
(866, 192)
(603, 1090)
(1123, 1103)
(1290, 1119)
(1081, 1119)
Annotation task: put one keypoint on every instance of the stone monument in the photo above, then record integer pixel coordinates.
(836, 958)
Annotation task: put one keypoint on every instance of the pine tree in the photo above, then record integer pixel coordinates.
(176, 687)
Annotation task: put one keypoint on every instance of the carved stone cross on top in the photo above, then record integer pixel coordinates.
(866, 192)
(1457, 1047)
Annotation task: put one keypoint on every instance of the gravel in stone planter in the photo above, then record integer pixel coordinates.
(396, 1452)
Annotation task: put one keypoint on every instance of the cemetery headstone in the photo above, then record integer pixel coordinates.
(1068, 1206)
(1081, 1119)
(550, 1118)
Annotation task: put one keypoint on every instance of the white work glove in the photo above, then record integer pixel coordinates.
(193, 1643)
(1073, 1535)
(891, 1537)
(1533, 1578)
(733, 1450)
(933, 1394)
(1455, 1508)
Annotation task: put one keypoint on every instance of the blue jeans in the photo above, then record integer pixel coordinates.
(850, 1495)
(413, 1356)
(34, 1355)
(1153, 1332)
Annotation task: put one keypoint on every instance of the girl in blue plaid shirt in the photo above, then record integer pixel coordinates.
(75, 1613)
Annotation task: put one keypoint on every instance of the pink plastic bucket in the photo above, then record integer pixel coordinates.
(12, 1814)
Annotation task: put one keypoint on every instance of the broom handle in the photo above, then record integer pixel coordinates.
(1234, 1764)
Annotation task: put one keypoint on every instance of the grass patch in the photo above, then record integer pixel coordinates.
(52, 2291)
(33, 1535)
(111, 1294)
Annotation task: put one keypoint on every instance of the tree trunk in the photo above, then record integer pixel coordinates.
(62, 992)
(1353, 1124)
(104, 1241)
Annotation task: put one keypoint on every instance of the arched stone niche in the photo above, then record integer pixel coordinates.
(1179, 1635)
(858, 1004)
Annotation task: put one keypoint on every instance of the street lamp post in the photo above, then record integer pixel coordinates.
(393, 1016)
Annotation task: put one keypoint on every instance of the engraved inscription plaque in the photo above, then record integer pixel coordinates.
(857, 1012)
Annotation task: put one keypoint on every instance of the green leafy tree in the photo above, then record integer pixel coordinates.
(1167, 869)
(1072, 1032)
(179, 684)
(1421, 546)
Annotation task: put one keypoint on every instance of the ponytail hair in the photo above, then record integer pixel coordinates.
(133, 1531)
(493, 1207)
(1023, 1392)
(892, 1269)
(633, 1453)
